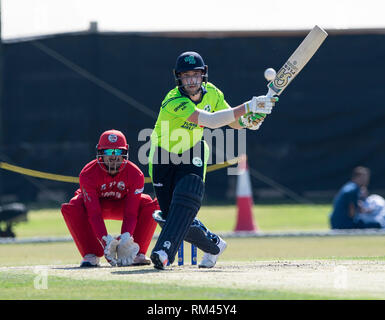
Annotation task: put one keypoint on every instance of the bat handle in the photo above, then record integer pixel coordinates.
(270, 92)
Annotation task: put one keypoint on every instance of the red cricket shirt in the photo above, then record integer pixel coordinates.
(97, 184)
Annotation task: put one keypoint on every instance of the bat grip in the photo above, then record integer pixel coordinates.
(270, 92)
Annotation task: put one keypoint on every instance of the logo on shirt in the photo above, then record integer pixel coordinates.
(167, 244)
(190, 59)
(111, 194)
(86, 196)
(159, 184)
(207, 108)
(112, 138)
(103, 187)
(121, 185)
(188, 125)
(182, 106)
(197, 162)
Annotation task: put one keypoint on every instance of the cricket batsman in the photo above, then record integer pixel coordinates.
(111, 188)
(178, 156)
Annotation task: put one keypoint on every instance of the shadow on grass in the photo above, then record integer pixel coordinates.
(144, 269)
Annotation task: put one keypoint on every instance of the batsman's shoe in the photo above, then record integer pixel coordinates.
(209, 260)
(90, 261)
(159, 259)
(141, 260)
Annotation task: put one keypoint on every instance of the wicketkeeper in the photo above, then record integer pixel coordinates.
(111, 188)
(178, 156)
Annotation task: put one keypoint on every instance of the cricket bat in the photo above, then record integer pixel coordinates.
(297, 61)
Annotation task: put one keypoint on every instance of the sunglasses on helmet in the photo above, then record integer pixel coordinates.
(112, 152)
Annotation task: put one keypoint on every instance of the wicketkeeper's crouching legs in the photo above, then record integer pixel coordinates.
(76, 218)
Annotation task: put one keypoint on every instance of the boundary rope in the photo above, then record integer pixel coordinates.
(71, 179)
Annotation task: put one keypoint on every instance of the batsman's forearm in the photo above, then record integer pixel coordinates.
(239, 111)
(236, 125)
(217, 119)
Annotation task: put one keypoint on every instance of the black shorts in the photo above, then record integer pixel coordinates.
(167, 172)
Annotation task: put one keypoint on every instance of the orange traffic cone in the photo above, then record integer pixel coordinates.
(245, 219)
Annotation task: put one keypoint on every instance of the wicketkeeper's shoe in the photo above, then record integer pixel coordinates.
(90, 261)
(141, 260)
(159, 259)
(209, 260)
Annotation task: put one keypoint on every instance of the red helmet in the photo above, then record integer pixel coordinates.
(112, 139)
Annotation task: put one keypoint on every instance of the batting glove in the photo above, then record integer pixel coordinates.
(110, 245)
(127, 250)
(251, 121)
(261, 104)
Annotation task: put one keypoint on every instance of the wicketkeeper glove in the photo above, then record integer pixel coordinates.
(110, 245)
(127, 250)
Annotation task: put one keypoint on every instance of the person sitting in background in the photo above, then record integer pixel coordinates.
(347, 204)
(372, 211)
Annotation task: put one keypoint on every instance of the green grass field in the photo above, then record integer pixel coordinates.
(250, 268)
(49, 222)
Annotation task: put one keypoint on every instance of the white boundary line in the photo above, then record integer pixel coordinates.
(226, 235)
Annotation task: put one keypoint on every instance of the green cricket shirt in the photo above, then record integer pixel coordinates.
(172, 131)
